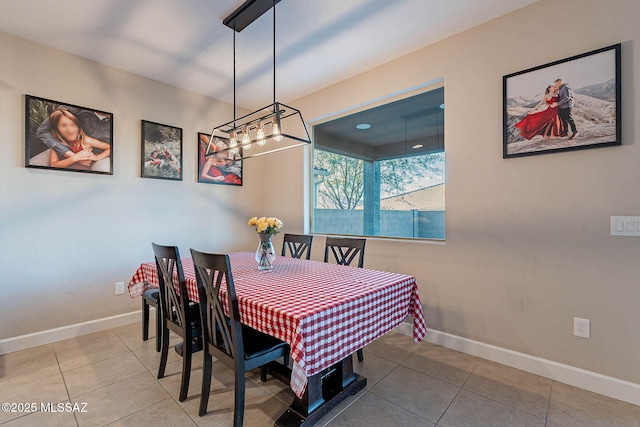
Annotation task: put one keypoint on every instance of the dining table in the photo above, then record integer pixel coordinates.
(324, 311)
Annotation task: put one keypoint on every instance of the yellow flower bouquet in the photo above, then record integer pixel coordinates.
(264, 225)
(266, 228)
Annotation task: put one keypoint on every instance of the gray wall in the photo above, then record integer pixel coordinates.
(527, 246)
(66, 238)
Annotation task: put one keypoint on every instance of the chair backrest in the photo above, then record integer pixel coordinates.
(171, 279)
(222, 333)
(345, 250)
(299, 245)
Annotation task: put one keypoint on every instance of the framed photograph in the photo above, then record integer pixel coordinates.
(215, 166)
(570, 104)
(67, 137)
(161, 151)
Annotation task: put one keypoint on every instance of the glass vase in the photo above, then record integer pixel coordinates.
(265, 254)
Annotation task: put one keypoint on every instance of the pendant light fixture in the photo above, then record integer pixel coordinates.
(270, 129)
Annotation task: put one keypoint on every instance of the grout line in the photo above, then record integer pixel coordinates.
(546, 415)
(64, 381)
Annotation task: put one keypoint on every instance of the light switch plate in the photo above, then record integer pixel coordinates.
(119, 288)
(625, 225)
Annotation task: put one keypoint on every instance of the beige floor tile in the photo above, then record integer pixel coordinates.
(46, 390)
(261, 407)
(100, 374)
(471, 410)
(131, 334)
(392, 346)
(278, 388)
(373, 411)
(339, 409)
(164, 413)
(119, 400)
(373, 368)
(25, 366)
(44, 419)
(85, 350)
(440, 362)
(172, 379)
(571, 406)
(146, 352)
(518, 389)
(418, 393)
(114, 373)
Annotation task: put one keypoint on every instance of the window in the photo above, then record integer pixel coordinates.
(380, 172)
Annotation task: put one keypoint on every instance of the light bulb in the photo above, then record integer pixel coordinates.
(246, 140)
(233, 145)
(277, 137)
(260, 134)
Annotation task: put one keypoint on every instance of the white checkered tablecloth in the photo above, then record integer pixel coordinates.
(324, 311)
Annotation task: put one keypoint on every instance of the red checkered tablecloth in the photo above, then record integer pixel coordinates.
(324, 311)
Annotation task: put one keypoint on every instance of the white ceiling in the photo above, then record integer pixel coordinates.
(184, 43)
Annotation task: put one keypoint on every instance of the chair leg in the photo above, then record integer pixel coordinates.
(186, 371)
(145, 320)
(206, 383)
(263, 373)
(164, 353)
(158, 329)
(360, 355)
(238, 408)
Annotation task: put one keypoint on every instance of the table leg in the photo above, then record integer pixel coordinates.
(325, 391)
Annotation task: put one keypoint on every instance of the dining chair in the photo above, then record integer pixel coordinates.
(151, 298)
(344, 251)
(178, 314)
(299, 245)
(238, 346)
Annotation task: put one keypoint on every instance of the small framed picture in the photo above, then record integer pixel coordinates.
(161, 151)
(215, 164)
(67, 137)
(570, 104)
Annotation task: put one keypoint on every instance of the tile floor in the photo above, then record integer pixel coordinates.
(114, 373)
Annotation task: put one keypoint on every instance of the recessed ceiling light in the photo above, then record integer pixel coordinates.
(363, 126)
(418, 146)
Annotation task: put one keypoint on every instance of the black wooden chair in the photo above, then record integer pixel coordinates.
(178, 314)
(151, 298)
(299, 245)
(344, 251)
(225, 338)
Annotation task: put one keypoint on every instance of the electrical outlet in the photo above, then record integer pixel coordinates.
(581, 327)
(119, 288)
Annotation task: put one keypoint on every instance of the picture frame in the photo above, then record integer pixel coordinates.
(538, 118)
(67, 137)
(215, 168)
(161, 151)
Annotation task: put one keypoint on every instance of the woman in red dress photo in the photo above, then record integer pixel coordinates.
(542, 119)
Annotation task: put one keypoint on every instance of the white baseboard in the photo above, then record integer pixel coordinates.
(581, 378)
(35, 339)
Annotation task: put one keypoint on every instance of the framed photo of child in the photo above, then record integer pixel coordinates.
(67, 137)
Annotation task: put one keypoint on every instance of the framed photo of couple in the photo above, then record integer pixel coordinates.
(570, 104)
(67, 137)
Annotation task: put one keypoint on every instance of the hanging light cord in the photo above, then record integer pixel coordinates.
(234, 78)
(274, 52)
